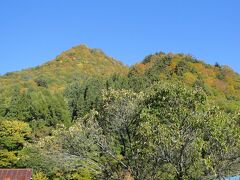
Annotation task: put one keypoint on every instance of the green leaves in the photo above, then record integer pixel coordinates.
(8, 158)
(177, 128)
(13, 136)
(222, 144)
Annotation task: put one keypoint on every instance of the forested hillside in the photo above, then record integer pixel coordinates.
(77, 64)
(85, 115)
(37, 95)
(219, 82)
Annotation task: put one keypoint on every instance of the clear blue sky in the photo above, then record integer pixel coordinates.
(35, 31)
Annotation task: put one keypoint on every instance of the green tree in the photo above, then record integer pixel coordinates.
(182, 137)
(67, 153)
(20, 106)
(116, 118)
(221, 151)
(170, 125)
(84, 97)
(51, 108)
(39, 176)
(13, 135)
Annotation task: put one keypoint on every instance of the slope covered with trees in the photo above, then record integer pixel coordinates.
(85, 115)
(77, 64)
(220, 82)
(37, 95)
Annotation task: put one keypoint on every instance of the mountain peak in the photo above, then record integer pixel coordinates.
(82, 53)
(76, 64)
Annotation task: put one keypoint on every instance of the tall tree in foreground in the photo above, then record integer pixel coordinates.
(182, 135)
(170, 130)
(116, 118)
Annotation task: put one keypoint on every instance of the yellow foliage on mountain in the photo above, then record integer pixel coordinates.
(77, 64)
(220, 82)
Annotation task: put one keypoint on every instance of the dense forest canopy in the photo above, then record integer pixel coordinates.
(85, 115)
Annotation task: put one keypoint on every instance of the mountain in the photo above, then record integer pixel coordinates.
(85, 115)
(221, 83)
(77, 64)
(42, 95)
(72, 83)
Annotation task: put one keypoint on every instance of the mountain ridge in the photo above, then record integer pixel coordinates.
(81, 64)
(65, 56)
